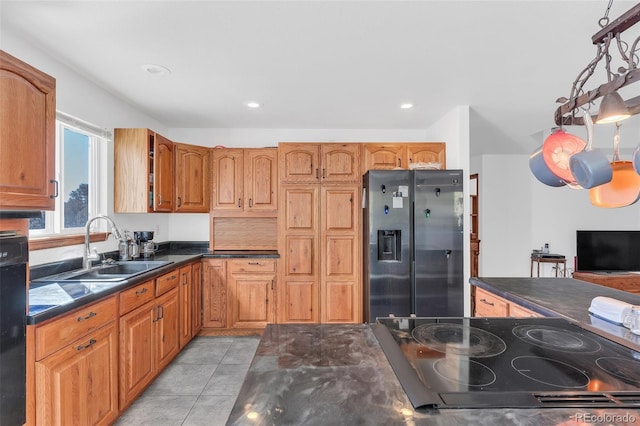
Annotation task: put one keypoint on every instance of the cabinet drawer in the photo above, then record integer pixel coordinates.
(490, 305)
(59, 333)
(166, 282)
(136, 296)
(252, 265)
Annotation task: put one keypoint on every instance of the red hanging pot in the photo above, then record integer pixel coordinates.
(557, 149)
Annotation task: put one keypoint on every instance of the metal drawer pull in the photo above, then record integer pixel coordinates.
(139, 292)
(88, 345)
(255, 263)
(488, 303)
(91, 315)
(57, 188)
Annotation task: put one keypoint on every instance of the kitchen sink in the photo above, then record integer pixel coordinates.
(116, 272)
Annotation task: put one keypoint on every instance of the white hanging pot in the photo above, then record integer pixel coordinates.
(590, 167)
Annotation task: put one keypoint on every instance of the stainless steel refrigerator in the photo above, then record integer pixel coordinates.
(413, 243)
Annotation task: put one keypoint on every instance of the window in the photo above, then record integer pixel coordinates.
(77, 169)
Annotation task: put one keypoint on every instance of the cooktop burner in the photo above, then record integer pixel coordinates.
(459, 339)
(508, 362)
(556, 338)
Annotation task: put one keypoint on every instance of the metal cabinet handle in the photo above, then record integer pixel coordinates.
(271, 284)
(487, 303)
(179, 201)
(399, 162)
(139, 292)
(324, 173)
(250, 202)
(239, 202)
(56, 185)
(161, 310)
(88, 345)
(317, 174)
(91, 315)
(255, 263)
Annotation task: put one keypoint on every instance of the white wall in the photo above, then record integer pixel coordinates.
(453, 128)
(519, 214)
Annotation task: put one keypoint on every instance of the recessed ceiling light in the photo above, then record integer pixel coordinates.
(253, 104)
(406, 106)
(154, 69)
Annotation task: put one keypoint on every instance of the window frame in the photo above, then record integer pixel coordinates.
(55, 234)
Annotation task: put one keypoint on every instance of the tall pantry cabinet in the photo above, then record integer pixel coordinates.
(318, 231)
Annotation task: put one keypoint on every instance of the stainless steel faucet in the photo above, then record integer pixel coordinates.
(89, 257)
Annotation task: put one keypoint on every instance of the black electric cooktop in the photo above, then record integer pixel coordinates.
(508, 362)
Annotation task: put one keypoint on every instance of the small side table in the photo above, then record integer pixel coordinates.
(557, 259)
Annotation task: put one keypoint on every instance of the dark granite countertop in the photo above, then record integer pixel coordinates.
(564, 297)
(339, 375)
(50, 300)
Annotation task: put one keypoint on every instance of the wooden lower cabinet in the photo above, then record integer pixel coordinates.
(238, 293)
(196, 311)
(137, 363)
(186, 302)
(78, 385)
(488, 304)
(251, 293)
(149, 340)
(214, 293)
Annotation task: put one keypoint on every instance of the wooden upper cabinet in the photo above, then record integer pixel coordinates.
(315, 163)
(261, 180)
(430, 152)
(227, 179)
(388, 156)
(299, 163)
(163, 174)
(191, 178)
(245, 182)
(27, 136)
(340, 162)
(143, 171)
(379, 156)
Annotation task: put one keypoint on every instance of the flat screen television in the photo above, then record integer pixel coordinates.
(608, 251)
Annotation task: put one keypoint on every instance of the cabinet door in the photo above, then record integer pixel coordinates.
(227, 180)
(185, 295)
(341, 267)
(299, 162)
(196, 307)
(214, 293)
(163, 174)
(261, 180)
(78, 385)
(167, 328)
(430, 152)
(490, 305)
(137, 354)
(191, 178)
(385, 156)
(251, 303)
(340, 162)
(299, 273)
(27, 136)
(133, 174)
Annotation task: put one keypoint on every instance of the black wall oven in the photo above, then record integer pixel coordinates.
(14, 257)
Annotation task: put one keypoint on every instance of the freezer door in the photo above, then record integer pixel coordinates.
(438, 243)
(386, 237)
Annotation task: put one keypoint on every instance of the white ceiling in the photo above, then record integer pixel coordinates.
(328, 64)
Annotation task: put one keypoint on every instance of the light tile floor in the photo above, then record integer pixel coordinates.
(198, 388)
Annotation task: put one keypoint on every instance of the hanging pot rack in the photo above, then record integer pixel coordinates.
(566, 114)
